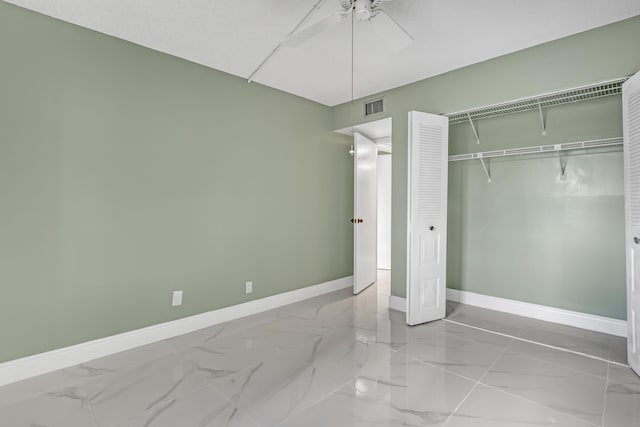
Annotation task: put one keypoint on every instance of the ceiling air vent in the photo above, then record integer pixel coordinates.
(373, 107)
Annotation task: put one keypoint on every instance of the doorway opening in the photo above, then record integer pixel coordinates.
(372, 148)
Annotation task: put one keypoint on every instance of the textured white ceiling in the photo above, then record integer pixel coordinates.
(236, 35)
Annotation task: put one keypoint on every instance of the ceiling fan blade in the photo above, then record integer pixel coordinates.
(313, 30)
(390, 31)
(376, 3)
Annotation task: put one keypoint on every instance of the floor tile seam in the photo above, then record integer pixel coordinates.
(464, 399)
(567, 336)
(501, 316)
(565, 329)
(384, 346)
(565, 350)
(622, 383)
(439, 367)
(609, 351)
(606, 387)
(580, 334)
(528, 356)
(438, 329)
(574, 370)
(388, 347)
(537, 403)
(492, 365)
(475, 386)
(399, 350)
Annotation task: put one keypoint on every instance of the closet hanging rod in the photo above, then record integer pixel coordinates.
(566, 96)
(607, 142)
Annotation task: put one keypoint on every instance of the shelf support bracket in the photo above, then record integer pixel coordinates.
(485, 166)
(544, 125)
(475, 132)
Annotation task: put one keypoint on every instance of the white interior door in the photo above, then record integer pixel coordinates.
(427, 217)
(631, 129)
(365, 213)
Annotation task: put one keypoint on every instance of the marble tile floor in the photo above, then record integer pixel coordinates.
(592, 343)
(339, 360)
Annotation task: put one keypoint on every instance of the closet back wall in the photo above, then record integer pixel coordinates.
(531, 234)
(526, 236)
(126, 174)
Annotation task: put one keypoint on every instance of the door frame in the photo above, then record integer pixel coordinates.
(375, 130)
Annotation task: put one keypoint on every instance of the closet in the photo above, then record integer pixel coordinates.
(542, 222)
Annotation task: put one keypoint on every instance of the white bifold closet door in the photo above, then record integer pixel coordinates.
(631, 129)
(365, 244)
(427, 217)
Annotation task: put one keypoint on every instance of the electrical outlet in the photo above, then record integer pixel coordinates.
(177, 298)
(248, 287)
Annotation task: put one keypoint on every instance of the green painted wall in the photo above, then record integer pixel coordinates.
(126, 174)
(527, 236)
(532, 235)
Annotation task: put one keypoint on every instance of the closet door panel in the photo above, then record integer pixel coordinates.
(631, 127)
(427, 217)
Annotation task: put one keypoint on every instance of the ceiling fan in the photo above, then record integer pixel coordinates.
(362, 10)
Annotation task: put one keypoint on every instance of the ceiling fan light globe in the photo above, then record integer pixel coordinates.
(362, 10)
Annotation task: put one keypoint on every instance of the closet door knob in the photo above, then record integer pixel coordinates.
(636, 240)
(431, 227)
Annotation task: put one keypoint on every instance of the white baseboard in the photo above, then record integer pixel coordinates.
(541, 312)
(31, 366)
(398, 303)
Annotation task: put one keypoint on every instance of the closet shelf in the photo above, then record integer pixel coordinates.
(582, 93)
(607, 142)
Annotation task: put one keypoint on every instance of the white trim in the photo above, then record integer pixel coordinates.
(541, 312)
(31, 366)
(398, 303)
